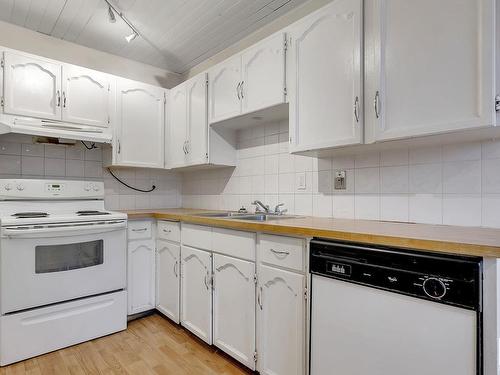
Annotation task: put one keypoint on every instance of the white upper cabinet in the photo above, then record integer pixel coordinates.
(197, 126)
(325, 78)
(168, 279)
(86, 96)
(140, 124)
(429, 67)
(234, 308)
(263, 67)
(32, 87)
(225, 89)
(196, 292)
(176, 137)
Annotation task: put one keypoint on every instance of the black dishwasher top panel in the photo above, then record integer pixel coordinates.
(448, 279)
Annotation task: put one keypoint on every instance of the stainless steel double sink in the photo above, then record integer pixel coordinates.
(246, 216)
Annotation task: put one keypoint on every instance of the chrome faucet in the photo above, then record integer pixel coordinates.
(260, 204)
(278, 210)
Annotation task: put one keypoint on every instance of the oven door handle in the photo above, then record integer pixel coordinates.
(62, 231)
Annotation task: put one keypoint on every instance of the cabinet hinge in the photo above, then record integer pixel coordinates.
(497, 103)
(109, 86)
(285, 92)
(255, 279)
(109, 120)
(2, 63)
(305, 294)
(255, 357)
(286, 44)
(2, 102)
(290, 139)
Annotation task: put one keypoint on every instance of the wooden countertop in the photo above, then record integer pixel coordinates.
(483, 242)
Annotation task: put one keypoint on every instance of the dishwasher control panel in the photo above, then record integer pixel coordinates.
(452, 280)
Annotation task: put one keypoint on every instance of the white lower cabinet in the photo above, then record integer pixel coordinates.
(281, 322)
(234, 308)
(141, 276)
(168, 279)
(196, 292)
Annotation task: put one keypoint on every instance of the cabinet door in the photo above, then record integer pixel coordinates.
(140, 123)
(196, 89)
(85, 96)
(224, 87)
(234, 308)
(429, 67)
(141, 276)
(264, 74)
(281, 322)
(196, 292)
(177, 125)
(168, 279)
(32, 87)
(325, 82)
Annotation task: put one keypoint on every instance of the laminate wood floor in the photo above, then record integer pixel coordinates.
(150, 345)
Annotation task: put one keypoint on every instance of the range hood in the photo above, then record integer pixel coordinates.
(53, 129)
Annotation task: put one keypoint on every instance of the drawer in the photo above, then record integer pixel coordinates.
(197, 236)
(169, 230)
(139, 229)
(287, 252)
(234, 243)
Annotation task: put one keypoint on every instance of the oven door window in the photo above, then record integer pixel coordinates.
(57, 258)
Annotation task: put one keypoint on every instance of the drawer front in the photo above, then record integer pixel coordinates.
(169, 230)
(140, 229)
(282, 251)
(197, 236)
(234, 243)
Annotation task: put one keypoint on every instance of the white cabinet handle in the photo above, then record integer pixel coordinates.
(140, 230)
(259, 297)
(376, 104)
(279, 252)
(356, 108)
(64, 99)
(238, 90)
(119, 146)
(176, 264)
(167, 230)
(206, 280)
(241, 89)
(58, 98)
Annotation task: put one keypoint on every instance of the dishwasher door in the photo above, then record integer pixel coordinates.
(358, 330)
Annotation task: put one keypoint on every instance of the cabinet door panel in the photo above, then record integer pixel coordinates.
(281, 323)
(326, 78)
(177, 125)
(223, 86)
(197, 127)
(32, 87)
(168, 279)
(196, 292)
(140, 120)
(431, 64)
(264, 74)
(141, 276)
(234, 308)
(86, 96)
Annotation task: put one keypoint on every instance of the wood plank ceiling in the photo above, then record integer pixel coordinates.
(182, 33)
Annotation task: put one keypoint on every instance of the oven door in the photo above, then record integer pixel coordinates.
(41, 265)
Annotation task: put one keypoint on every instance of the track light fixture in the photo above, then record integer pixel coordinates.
(112, 10)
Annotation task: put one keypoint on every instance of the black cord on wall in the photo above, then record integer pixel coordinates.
(131, 187)
(91, 147)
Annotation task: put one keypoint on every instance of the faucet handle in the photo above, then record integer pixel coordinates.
(277, 209)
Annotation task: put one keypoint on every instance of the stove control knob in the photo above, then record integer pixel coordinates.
(8, 187)
(20, 187)
(434, 288)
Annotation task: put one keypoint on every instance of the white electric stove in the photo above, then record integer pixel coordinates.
(62, 266)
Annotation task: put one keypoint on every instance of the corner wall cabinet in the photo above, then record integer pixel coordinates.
(140, 125)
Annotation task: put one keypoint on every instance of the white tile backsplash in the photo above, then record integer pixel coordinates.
(454, 184)
(20, 158)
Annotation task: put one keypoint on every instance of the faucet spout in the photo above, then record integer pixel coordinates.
(262, 205)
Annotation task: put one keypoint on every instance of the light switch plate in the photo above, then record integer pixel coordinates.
(300, 181)
(340, 180)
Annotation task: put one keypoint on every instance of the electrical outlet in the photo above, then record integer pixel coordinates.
(340, 180)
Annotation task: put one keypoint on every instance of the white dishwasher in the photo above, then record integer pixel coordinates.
(386, 311)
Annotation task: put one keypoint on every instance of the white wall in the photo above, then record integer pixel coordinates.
(20, 158)
(26, 40)
(455, 184)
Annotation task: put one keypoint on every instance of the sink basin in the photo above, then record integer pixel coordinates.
(263, 217)
(222, 214)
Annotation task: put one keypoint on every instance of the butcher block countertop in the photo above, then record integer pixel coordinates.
(483, 242)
